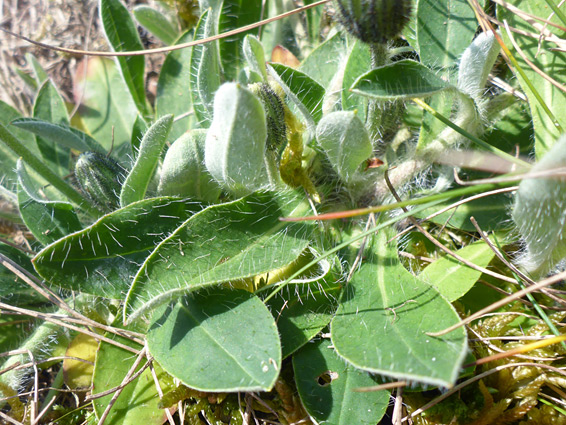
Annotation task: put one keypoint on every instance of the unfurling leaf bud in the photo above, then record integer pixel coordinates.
(100, 178)
(234, 151)
(373, 21)
(183, 172)
(274, 115)
(346, 142)
(540, 213)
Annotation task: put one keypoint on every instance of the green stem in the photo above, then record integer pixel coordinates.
(382, 116)
(43, 170)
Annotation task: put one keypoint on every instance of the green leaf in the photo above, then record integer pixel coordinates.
(13, 290)
(382, 323)
(59, 134)
(106, 109)
(400, 80)
(445, 28)
(255, 55)
(183, 172)
(173, 89)
(138, 130)
(47, 220)
(490, 213)
(235, 142)
(552, 63)
(453, 279)
(305, 92)
(431, 126)
(156, 23)
(103, 258)
(346, 142)
(300, 315)
(8, 157)
(328, 54)
(137, 182)
(139, 400)
(222, 243)
(38, 71)
(49, 106)
(358, 62)
(219, 340)
(235, 14)
(327, 387)
(205, 73)
(122, 35)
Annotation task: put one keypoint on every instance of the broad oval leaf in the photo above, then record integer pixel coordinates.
(137, 182)
(453, 279)
(138, 401)
(327, 387)
(327, 53)
(445, 28)
(222, 243)
(103, 258)
(300, 315)
(401, 80)
(382, 323)
(219, 340)
(122, 35)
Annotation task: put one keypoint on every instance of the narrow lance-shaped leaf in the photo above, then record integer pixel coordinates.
(382, 323)
(156, 23)
(103, 258)
(173, 88)
(47, 220)
(137, 182)
(222, 243)
(219, 340)
(306, 93)
(122, 35)
(49, 106)
(204, 77)
(552, 62)
(400, 80)
(255, 55)
(59, 133)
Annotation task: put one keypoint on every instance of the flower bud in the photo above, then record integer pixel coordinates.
(100, 178)
(373, 21)
(274, 114)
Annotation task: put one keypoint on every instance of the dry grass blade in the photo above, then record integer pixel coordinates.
(458, 387)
